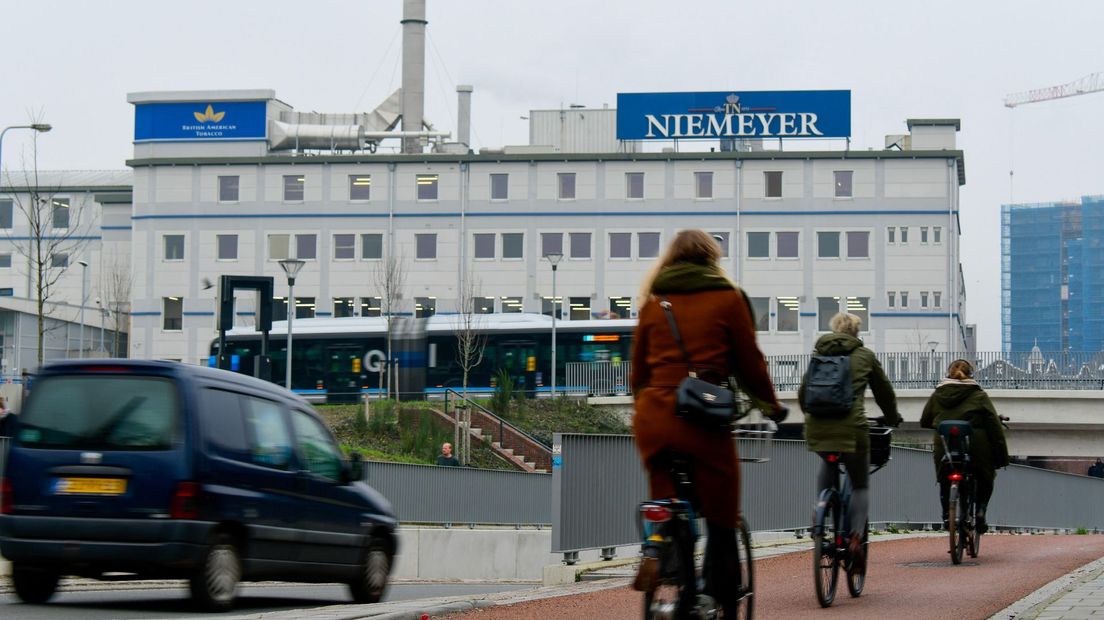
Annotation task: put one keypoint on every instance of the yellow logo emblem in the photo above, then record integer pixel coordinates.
(209, 116)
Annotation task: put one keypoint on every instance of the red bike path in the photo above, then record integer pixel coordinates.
(906, 579)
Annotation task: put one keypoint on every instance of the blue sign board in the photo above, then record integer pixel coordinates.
(728, 115)
(200, 121)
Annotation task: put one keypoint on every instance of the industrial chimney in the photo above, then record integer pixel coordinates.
(413, 71)
(463, 115)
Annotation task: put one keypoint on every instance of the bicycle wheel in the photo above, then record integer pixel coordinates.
(676, 588)
(827, 539)
(953, 524)
(973, 540)
(745, 606)
(856, 579)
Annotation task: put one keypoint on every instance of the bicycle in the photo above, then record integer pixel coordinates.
(832, 524)
(961, 496)
(670, 530)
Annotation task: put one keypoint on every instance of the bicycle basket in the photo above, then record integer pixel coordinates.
(879, 445)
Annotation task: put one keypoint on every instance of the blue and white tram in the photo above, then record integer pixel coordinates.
(338, 359)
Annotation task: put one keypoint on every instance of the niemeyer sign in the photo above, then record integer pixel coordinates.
(734, 114)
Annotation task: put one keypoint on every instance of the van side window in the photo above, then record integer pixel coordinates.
(316, 446)
(270, 441)
(221, 417)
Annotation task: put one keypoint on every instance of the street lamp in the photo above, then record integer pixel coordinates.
(84, 298)
(291, 267)
(39, 127)
(554, 259)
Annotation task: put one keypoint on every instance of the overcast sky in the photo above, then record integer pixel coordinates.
(72, 63)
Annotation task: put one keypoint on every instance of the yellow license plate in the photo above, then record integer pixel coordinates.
(90, 486)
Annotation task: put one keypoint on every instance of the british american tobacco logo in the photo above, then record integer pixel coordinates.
(210, 124)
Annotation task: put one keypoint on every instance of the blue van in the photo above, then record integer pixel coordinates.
(165, 470)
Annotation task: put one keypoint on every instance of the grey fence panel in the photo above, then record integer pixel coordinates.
(598, 483)
(431, 494)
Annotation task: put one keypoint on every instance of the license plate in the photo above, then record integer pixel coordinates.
(90, 486)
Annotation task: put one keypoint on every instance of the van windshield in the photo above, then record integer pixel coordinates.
(102, 412)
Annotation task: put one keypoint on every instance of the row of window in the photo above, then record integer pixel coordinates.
(899, 235)
(900, 299)
(59, 213)
(427, 185)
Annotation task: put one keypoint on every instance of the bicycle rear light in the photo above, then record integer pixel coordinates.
(655, 514)
(955, 476)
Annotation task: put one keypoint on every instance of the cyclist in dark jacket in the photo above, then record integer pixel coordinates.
(959, 397)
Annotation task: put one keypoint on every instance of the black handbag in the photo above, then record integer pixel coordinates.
(698, 401)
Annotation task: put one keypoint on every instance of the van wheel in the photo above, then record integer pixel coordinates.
(32, 584)
(215, 583)
(371, 581)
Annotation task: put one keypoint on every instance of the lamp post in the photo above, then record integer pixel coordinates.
(291, 267)
(39, 127)
(84, 298)
(554, 259)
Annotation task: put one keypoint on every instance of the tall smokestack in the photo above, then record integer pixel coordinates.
(413, 71)
(463, 115)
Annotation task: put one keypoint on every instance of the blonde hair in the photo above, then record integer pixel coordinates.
(960, 370)
(846, 323)
(689, 246)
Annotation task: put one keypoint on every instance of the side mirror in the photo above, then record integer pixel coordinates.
(354, 468)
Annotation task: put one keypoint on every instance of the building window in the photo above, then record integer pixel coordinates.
(904, 299)
(892, 299)
(360, 187)
(787, 244)
(511, 305)
(500, 186)
(580, 308)
(923, 299)
(827, 307)
(5, 261)
(828, 244)
(723, 242)
(703, 185)
(371, 306)
(227, 247)
(484, 245)
(923, 234)
(512, 245)
(843, 180)
(278, 247)
(786, 314)
(306, 247)
(937, 299)
(580, 244)
(61, 213)
(228, 188)
(860, 307)
(858, 244)
(425, 307)
(304, 307)
(634, 185)
(483, 305)
(548, 307)
(174, 247)
(551, 243)
(758, 244)
(7, 292)
(427, 186)
(172, 314)
(620, 307)
(760, 307)
(371, 246)
(891, 235)
(937, 234)
(60, 259)
(772, 180)
(279, 308)
(647, 245)
(7, 208)
(904, 235)
(345, 249)
(565, 185)
(620, 245)
(426, 246)
(293, 187)
(342, 307)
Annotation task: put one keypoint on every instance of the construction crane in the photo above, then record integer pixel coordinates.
(1089, 84)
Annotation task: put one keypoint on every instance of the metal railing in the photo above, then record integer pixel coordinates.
(597, 378)
(457, 399)
(598, 481)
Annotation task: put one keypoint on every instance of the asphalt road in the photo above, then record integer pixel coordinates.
(171, 600)
(907, 580)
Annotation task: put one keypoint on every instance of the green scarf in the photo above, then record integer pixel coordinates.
(690, 277)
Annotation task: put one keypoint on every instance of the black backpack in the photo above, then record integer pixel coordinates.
(828, 392)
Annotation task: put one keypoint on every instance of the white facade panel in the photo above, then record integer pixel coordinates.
(920, 178)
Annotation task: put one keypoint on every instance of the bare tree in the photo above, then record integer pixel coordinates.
(390, 279)
(56, 233)
(116, 282)
(471, 342)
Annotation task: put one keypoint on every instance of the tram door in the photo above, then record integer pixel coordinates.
(519, 359)
(343, 373)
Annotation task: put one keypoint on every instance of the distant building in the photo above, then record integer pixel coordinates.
(1052, 276)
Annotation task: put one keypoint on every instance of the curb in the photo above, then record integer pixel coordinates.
(1035, 603)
